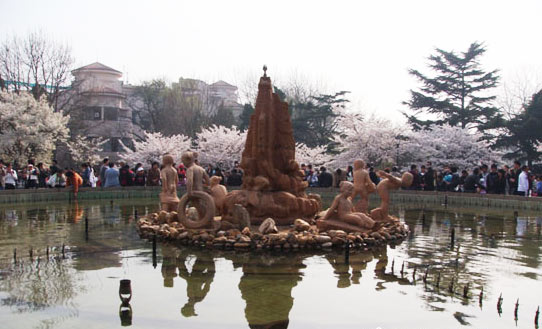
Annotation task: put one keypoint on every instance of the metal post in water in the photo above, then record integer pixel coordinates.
(347, 253)
(452, 237)
(63, 251)
(15, 255)
(499, 304)
(446, 200)
(392, 265)
(423, 219)
(402, 268)
(451, 287)
(414, 273)
(536, 316)
(47, 252)
(466, 290)
(425, 275)
(86, 227)
(481, 297)
(154, 251)
(516, 310)
(31, 253)
(438, 280)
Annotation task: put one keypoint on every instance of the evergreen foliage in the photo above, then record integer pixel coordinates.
(458, 94)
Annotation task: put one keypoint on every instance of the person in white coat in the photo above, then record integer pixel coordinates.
(523, 181)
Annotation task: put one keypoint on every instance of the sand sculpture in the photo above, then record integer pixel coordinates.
(273, 183)
(168, 197)
(272, 209)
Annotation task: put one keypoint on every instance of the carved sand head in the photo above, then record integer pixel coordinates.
(167, 160)
(188, 158)
(346, 186)
(406, 179)
(359, 164)
(215, 180)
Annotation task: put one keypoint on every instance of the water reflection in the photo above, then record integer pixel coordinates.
(491, 250)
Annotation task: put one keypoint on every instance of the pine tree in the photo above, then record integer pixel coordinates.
(458, 94)
(521, 135)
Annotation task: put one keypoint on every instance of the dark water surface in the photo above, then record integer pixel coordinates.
(195, 288)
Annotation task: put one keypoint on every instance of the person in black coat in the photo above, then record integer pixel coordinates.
(472, 183)
(429, 177)
(325, 179)
(235, 179)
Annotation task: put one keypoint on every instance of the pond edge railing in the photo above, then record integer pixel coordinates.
(25, 196)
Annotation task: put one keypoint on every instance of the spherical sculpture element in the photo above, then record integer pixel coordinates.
(205, 206)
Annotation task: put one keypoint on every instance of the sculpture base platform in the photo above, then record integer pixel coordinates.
(332, 224)
(298, 237)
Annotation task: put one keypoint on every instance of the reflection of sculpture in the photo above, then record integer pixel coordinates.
(203, 202)
(169, 270)
(273, 184)
(198, 281)
(358, 262)
(341, 215)
(266, 286)
(169, 177)
(383, 188)
(218, 192)
(362, 186)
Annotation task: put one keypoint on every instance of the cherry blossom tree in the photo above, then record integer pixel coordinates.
(83, 149)
(448, 146)
(219, 145)
(154, 147)
(29, 128)
(317, 156)
(373, 139)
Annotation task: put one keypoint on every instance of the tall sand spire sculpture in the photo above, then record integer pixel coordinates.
(273, 183)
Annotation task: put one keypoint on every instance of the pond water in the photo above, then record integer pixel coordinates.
(196, 288)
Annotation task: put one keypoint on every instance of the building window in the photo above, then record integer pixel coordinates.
(92, 113)
(111, 113)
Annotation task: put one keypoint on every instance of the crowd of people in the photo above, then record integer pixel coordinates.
(516, 180)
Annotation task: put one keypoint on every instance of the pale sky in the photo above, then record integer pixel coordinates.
(365, 47)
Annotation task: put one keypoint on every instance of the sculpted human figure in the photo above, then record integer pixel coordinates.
(196, 176)
(363, 186)
(169, 177)
(218, 192)
(383, 188)
(343, 210)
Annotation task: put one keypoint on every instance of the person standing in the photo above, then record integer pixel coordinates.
(325, 179)
(492, 183)
(235, 178)
(429, 177)
(514, 177)
(153, 176)
(103, 169)
(85, 174)
(42, 175)
(416, 183)
(140, 177)
(523, 182)
(111, 176)
(10, 178)
(54, 167)
(31, 177)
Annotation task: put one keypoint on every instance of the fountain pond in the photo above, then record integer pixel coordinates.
(65, 273)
